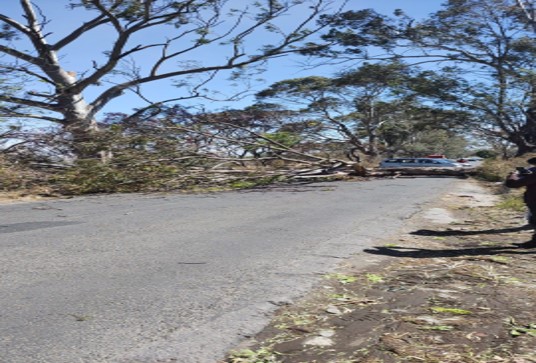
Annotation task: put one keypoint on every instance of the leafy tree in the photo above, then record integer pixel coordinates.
(435, 141)
(413, 125)
(150, 41)
(375, 94)
(357, 106)
(486, 48)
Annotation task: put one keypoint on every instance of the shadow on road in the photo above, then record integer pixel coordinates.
(429, 232)
(414, 252)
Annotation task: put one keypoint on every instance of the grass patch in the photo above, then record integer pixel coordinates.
(512, 202)
(263, 355)
(374, 278)
(342, 278)
(454, 311)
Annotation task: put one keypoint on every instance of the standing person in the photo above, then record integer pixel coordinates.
(526, 177)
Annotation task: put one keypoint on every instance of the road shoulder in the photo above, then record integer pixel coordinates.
(452, 288)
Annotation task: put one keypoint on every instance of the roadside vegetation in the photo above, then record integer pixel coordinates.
(399, 87)
(129, 172)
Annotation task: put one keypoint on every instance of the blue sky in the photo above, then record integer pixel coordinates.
(78, 58)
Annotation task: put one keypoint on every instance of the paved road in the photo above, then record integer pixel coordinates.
(178, 278)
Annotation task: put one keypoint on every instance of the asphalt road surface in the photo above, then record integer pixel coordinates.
(179, 278)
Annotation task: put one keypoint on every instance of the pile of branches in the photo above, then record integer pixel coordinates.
(176, 152)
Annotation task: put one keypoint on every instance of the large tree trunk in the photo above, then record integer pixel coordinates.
(526, 138)
(82, 127)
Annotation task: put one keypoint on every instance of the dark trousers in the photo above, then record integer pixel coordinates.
(532, 216)
(532, 220)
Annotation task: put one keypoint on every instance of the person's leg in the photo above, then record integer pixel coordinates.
(532, 220)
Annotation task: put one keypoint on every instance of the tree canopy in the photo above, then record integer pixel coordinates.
(147, 41)
(481, 54)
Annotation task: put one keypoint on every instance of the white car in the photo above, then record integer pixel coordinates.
(419, 163)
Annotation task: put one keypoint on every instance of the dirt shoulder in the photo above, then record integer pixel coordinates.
(452, 289)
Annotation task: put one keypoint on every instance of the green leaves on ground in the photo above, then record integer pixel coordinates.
(517, 330)
(263, 355)
(455, 311)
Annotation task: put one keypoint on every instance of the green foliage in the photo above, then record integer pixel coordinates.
(134, 10)
(263, 355)
(273, 143)
(351, 106)
(284, 138)
(454, 311)
(8, 179)
(490, 36)
(493, 170)
(378, 74)
(93, 176)
(496, 170)
(170, 152)
(512, 202)
(16, 177)
(374, 278)
(354, 31)
(517, 329)
(342, 278)
(487, 154)
(436, 141)
(297, 87)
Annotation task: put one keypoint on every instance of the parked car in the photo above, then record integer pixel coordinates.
(471, 161)
(419, 163)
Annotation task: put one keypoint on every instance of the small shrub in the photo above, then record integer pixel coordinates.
(496, 170)
(8, 179)
(493, 170)
(19, 177)
(92, 176)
